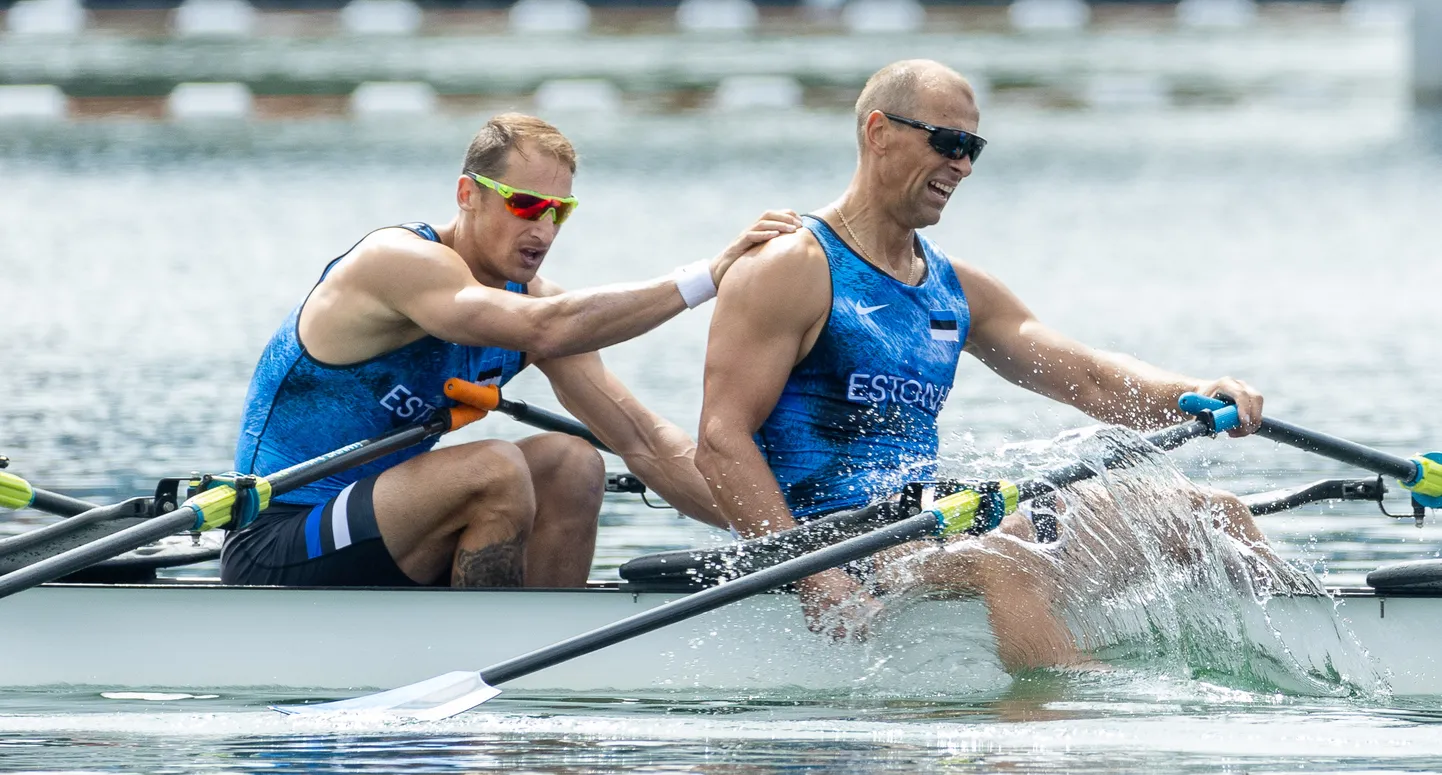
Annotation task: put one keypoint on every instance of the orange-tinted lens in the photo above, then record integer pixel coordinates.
(533, 207)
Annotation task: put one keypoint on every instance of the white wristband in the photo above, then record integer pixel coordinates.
(695, 283)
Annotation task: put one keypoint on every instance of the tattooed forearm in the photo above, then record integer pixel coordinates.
(498, 565)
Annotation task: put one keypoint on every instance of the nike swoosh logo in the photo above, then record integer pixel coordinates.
(864, 311)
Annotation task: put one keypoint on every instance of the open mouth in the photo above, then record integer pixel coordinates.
(944, 189)
(532, 256)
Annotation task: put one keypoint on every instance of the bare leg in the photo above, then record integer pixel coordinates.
(1017, 582)
(569, 477)
(1233, 517)
(463, 512)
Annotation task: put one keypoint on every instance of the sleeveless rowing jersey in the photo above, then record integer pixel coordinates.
(856, 420)
(299, 408)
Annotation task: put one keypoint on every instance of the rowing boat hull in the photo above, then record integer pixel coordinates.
(206, 636)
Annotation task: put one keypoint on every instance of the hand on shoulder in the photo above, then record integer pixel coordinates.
(771, 224)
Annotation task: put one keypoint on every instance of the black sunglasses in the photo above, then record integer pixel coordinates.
(951, 143)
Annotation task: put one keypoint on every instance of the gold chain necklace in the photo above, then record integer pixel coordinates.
(911, 270)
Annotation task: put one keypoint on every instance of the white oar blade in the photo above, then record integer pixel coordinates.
(430, 700)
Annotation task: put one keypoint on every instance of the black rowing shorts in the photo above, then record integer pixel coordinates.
(334, 544)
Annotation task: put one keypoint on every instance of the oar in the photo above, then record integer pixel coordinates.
(87, 521)
(16, 493)
(1421, 474)
(487, 396)
(447, 695)
(84, 522)
(685, 566)
(212, 508)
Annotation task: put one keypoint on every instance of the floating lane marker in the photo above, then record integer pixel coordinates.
(580, 95)
(1377, 14)
(1048, 15)
(46, 17)
(213, 19)
(873, 16)
(200, 101)
(1113, 91)
(742, 92)
(43, 102)
(550, 16)
(157, 696)
(1216, 14)
(710, 16)
(376, 99)
(381, 17)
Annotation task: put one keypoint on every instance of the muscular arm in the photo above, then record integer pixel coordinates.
(657, 451)
(765, 310)
(1111, 387)
(768, 313)
(438, 293)
(430, 286)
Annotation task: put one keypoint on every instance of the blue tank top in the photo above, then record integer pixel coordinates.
(299, 408)
(856, 420)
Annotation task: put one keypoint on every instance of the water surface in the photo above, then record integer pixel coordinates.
(144, 268)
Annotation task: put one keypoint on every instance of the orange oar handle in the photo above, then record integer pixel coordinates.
(461, 416)
(475, 400)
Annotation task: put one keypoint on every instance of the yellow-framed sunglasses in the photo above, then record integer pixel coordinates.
(531, 205)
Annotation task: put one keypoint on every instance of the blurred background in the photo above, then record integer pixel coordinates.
(1216, 186)
(274, 59)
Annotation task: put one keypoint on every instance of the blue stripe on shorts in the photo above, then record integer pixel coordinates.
(312, 532)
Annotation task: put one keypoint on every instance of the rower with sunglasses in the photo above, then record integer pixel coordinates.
(410, 306)
(834, 349)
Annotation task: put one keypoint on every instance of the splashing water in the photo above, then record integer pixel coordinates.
(1154, 573)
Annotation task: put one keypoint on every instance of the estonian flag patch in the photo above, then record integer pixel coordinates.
(943, 326)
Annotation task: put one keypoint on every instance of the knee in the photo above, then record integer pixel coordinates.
(1221, 503)
(564, 453)
(501, 480)
(560, 461)
(1017, 525)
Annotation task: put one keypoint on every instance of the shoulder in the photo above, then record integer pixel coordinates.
(782, 284)
(386, 248)
(395, 263)
(788, 258)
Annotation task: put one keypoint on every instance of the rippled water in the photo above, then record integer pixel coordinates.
(142, 269)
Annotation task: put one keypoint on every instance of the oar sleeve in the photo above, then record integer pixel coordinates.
(1426, 487)
(15, 493)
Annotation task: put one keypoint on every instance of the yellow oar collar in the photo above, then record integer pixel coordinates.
(977, 508)
(15, 493)
(1427, 487)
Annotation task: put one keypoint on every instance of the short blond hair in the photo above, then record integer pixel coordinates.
(490, 148)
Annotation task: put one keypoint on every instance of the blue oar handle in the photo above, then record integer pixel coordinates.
(1224, 415)
(1422, 474)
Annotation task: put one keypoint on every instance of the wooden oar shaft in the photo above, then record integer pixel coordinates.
(1338, 449)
